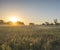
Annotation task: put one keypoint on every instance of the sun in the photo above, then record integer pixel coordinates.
(13, 19)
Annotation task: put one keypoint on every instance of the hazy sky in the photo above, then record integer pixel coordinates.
(36, 11)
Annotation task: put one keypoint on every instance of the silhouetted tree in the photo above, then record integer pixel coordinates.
(1, 22)
(55, 21)
(31, 24)
(47, 23)
(51, 24)
(20, 23)
(9, 22)
(43, 23)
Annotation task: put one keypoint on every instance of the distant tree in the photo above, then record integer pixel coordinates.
(1, 22)
(47, 23)
(20, 23)
(51, 24)
(43, 23)
(55, 21)
(31, 24)
(9, 22)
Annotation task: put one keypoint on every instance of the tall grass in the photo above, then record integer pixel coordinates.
(29, 38)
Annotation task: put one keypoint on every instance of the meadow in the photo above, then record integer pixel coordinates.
(29, 37)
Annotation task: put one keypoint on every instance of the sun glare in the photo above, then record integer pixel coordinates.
(13, 19)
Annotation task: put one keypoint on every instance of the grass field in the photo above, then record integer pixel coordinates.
(29, 38)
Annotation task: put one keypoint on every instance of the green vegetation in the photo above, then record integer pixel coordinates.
(29, 38)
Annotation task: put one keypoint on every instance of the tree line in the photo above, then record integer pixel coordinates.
(55, 22)
(2, 22)
(31, 24)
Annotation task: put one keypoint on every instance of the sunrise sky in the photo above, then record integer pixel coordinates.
(37, 11)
